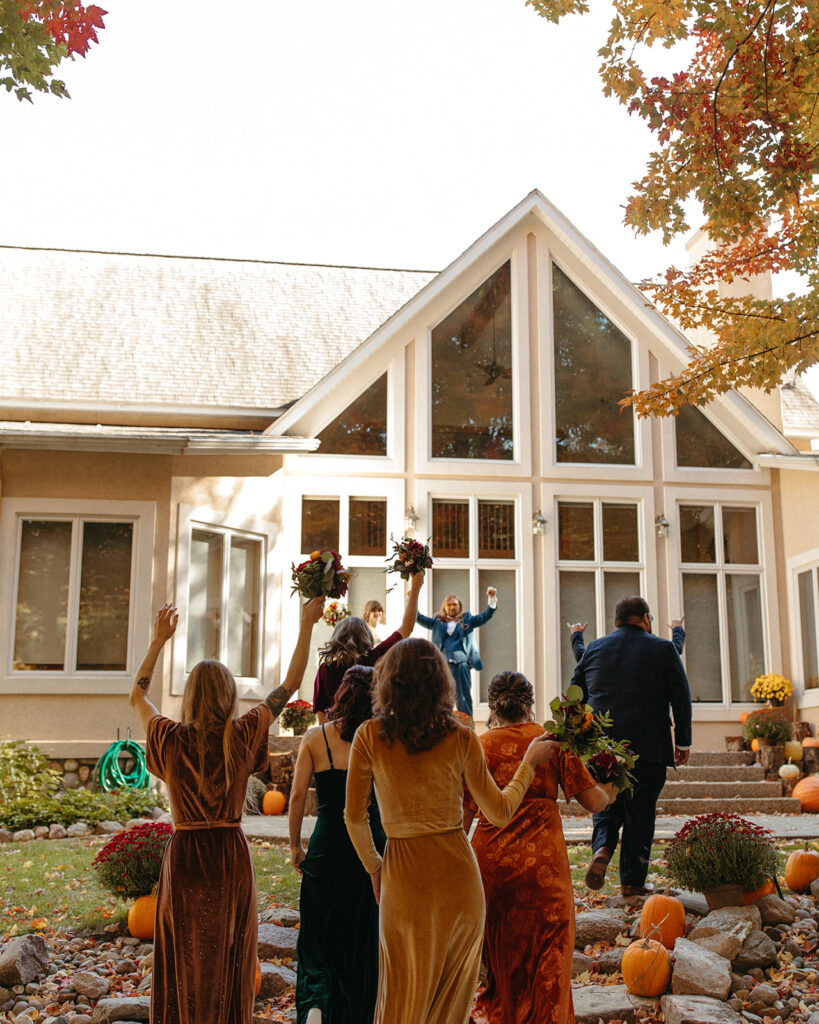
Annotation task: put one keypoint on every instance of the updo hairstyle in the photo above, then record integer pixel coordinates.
(511, 698)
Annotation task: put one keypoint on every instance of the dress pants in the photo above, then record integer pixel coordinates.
(635, 814)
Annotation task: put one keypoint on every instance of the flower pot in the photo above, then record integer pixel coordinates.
(761, 741)
(729, 895)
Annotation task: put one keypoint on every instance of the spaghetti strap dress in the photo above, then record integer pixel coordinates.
(337, 948)
(207, 887)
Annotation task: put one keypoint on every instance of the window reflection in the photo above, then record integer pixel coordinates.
(701, 444)
(319, 524)
(697, 540)
(362, 428)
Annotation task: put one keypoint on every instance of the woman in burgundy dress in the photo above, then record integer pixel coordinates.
(206, 915)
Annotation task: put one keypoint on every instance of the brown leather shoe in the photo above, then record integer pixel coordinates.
(637, 890)
(596, 873)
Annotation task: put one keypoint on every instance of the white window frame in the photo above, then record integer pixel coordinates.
(808, 561)
(726, 710)
(248, 527)
(143, 516)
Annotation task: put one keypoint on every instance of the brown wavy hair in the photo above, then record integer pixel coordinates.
(209, 706)
(442, 609)
(372, 606)
(414, 695)
(351, 640)
(510, 697)
(353, 702)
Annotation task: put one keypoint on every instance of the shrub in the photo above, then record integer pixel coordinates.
(24, 772)
(298, 715)
(768, 724)
(720, 849)
(79, 805)
(128, 865)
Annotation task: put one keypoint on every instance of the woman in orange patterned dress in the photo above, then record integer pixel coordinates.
(529, 933)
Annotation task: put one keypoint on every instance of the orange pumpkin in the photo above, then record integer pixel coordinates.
(646, 968)
(802, 868)
(258, 987)
(755, 744)
(743, 717)
(141, 917)
(662, 918)
(806, 792)
(752, 895)
(810, 741)
(273, 802)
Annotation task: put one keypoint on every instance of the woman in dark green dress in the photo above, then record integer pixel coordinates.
(338, 938)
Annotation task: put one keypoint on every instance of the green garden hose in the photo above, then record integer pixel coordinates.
(109, 776)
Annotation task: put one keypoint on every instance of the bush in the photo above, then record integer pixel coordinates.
(24, 772)
(128, 865)
(79, 805)
(720, 849)
(768, 724)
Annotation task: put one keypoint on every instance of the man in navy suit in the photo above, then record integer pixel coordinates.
(637, 677)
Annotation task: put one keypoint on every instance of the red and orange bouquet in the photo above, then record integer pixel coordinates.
(614, 764)
(321, 575)
(334, 612)
(128, 865)
(575, 725)
(408, 557)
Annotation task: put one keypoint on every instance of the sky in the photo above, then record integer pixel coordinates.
(368, 133)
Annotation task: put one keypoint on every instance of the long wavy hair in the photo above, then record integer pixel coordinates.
(353, 702)
(414, 695)
(372, 606)
(209, 706)
(442, 610)
(351, 640)
(511, 698)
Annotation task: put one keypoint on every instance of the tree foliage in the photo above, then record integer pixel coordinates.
(737, 127)
(36, 35)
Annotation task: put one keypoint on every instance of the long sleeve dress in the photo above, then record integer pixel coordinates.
(207, 887)
(432, 902)
(529, 935)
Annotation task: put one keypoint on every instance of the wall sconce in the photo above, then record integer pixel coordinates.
(539, 523)
(661, 525)
(411, 518)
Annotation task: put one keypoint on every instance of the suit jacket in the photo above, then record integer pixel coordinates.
(463, 630)
(638, 677)
(579, 644)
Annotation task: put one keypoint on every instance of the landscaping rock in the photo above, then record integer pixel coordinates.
(276, 980)
(24, 835)
(41, 832)
(57, 831)
(693, 902)
(679, 1009)
(757, 952)
(287, 917)
(593, 1003)
(814, 888)
(108, 828)
(275, 941)
(609, 962)
(699, 972)
(79, 828)
(729, 917)
(774, 910)
(5, 995)
(724, 931)
(133, 822)
(5, 835)
(596, 926)
(24, 959)
(766, 994)
(89, 983)
(580, 963)
(126, 1008)
(70, 780)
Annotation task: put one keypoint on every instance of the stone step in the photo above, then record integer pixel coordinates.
(716, 773)
(687, 808)
(719, 790)
(712, 757)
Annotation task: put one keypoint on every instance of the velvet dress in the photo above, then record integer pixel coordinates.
(206, 914)
(432, 902)
(529, 935)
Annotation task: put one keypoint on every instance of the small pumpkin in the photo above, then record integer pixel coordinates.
(743, 717)
(801, 869)
(793, 750)
(141, 917)
(788, 771)
(806, 792)
(258, 986)
(755, 744)
(662, 918)
(810, 741)
(273, 802)
(752, 895)
(646, 968)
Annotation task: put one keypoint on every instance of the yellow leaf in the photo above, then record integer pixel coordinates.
(622, 940)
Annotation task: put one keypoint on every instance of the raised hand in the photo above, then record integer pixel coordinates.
(541, 750)
(575, 627)
(165, 623)
(313, 610)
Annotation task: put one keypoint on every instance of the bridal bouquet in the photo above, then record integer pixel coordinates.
(334, 612)
(408, 558)
(576, 727)
(322, 575)
(614, 764)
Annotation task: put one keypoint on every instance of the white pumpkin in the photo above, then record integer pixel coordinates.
(788, 772)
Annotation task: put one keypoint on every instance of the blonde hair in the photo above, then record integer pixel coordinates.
(208, 705)
(351, 640)
(370, 607)
(442, 613)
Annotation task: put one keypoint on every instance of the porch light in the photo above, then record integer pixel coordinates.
(661, 525)
(539, 523)
(410, 520)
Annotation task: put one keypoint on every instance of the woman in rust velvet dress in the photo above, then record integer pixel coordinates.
(206, 916)
(529, 932)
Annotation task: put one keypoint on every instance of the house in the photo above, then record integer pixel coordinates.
(184, 429)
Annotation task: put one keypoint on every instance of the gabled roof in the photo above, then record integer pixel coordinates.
(113, 330)
(800, 410)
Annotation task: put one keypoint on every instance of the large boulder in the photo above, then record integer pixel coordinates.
(757, 951)
(596, 926)
(580, 963)
(24, 959)
(276, 981)
(724, 931)
(129, 1008)
(679, 1009)
(699, 972)
(275, 941)
(775, 910)
(593, 1003)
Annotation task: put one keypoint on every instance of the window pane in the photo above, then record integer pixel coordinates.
(577, 604)
(368, 526)
(702, 659)
(362, 428)
(697, 533)
(496, 529)
(472, 376)
(244, 607)
(739, 536)
(701, 444)
(371, 585)
(575, 531)
(620, 540)
(497, 640)
(42, 596)
(592, 374)
(450, 528)
(807, 621)
(745, 647)
(319, 524)
(616, 586)
(204, 597)
(105, 597)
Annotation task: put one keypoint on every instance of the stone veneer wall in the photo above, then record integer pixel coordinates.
(78, 772)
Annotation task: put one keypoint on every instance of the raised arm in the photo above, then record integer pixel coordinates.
(298, 799)
(678, 634)
(576, 632)
(476, 621)
(411, 611)
(310, 614)
(427, 621)
(164, 629)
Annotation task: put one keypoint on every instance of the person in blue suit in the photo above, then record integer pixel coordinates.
(638, 678)
(452, 632)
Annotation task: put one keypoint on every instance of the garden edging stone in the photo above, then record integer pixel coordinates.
(686, 1009)
(699, 972)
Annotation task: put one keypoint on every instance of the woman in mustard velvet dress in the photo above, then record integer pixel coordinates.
(430, 892)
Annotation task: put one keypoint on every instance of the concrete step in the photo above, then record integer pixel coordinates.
(687, 808)
(716, 773)
(719, 790)
(725, 757)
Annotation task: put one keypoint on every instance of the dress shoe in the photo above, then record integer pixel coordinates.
(637, 890)
(596, 873)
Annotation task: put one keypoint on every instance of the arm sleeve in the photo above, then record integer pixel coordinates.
(160, 731)
(425, 620)
(574, 775)
(498, 805)
(475, 621)
(381, 649)
(320, 697)
(357, 806)
(579, 679)
(578, 645)
(679, 697)
(678, 638)
(254, 726)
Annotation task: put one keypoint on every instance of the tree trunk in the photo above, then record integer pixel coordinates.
(734, 742)
(771, 758)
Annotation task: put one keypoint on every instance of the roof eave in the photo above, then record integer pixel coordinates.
(256, 444)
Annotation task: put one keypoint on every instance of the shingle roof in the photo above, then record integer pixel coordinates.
(800, 410)
(105, 327)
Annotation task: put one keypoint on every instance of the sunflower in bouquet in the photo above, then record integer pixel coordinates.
(614, 763)
(576, 727)
(321, 575)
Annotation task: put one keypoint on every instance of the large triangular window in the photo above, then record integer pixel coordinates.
(701, 445)
(362, 428)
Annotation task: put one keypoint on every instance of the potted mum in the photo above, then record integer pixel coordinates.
(128, 867)
(772, 689)
(298, 716)
(769, 727)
